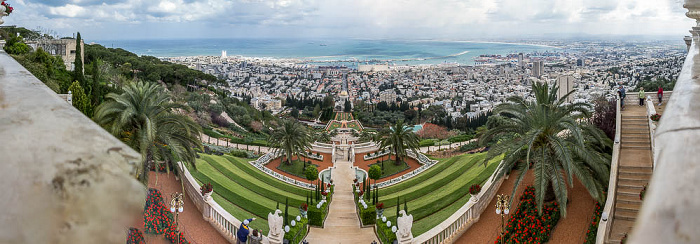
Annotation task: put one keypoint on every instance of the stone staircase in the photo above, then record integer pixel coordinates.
(634, 170)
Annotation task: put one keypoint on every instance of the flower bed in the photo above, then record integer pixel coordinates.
(593, 227)
(526, 225)
(135, 237)
(156, 216)
(173, 235)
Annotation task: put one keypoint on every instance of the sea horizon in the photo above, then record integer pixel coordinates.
(329, 51)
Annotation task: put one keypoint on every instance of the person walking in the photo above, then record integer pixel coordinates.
(622, 94)
(243, 231)
(256, 238)
(660, 94)
(641, 96)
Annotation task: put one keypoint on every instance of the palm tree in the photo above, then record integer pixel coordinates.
(291, 138)
(399, 138)
(146, 119)
(551, 137)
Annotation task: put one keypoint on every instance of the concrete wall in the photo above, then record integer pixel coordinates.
(63, 179)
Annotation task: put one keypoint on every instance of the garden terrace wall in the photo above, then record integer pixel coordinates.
(61, 174)
(605, 226)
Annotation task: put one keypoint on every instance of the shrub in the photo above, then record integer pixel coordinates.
(173, 236)
(474, 189)
(368, 216)
(526, 225)
(427, 143)
(469, 146)
(206, 188)
(315, 216)
(385, 233)
(593, 227)
(655, 117)
(642, 193)
(135, 237)
(239, 154)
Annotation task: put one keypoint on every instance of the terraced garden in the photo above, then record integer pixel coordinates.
(245, 191)
(436, 194)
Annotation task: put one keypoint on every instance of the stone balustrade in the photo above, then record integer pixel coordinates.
(671, 209)
(463, 218)
(605, 224)
(422, 159)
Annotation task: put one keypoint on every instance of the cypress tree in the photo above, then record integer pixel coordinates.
(96, 83)
(405, 207)
(397, 207)
(278, 205)
(307, 198)
(78, 71)
(323, 184)
(286, 211)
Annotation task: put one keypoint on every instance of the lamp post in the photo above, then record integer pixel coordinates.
(176, 206)
(502, 208)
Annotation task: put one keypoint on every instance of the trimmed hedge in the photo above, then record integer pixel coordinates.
(369, 215)
(422, 177)
(385, 234)
(315, 216)
(426, 143)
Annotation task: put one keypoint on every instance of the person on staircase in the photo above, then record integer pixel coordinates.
(641, 96)
(660, 94)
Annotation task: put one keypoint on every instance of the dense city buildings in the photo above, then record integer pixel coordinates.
(589, 69)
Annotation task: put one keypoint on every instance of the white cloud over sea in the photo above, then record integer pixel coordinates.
(416, 19)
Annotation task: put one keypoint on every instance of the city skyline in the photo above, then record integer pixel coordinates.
(453, 20)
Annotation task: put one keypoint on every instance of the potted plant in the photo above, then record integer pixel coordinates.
(655, 117)
(324, 193)
(642, 193)
(303, 209)
(474, 191)
(207, 190)
(624, 239)
(380, 210)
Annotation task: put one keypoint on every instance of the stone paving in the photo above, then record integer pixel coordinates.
(342, 224)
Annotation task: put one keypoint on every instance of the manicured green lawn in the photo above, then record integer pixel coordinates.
(296, 168)
(390, 168)
(246, 192)
(436, 194)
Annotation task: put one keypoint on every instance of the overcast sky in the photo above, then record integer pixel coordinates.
(389, 19)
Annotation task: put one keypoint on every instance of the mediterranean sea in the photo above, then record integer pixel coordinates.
(329, 51)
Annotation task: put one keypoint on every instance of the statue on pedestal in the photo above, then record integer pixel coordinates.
(405, 223)
(275, 222)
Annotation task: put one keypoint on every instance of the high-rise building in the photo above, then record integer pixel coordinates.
(521, 62)
(579, 62)
(566, 85)
(223, 54)
(537, 68)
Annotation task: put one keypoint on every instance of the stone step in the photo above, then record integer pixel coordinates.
(625, 214)
(628, 198)
(630, 186)
(635, 182)
(636, 169)
(636, 147)
(633, 132)
(636, 141)
(635, 136)
(634, 176)
(631, 207)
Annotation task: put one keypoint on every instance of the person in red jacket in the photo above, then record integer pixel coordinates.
(660, 94)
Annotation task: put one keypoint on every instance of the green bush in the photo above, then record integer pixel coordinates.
(369, 215)
(297, 232)
(461, 138)
(384, 232)
(16, 46)
(315, 216)
(239, 153)
(427, 143)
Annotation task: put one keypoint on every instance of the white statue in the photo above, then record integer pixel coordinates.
(405, 223)
(275, 221)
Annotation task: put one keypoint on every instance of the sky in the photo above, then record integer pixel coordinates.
(367, 19)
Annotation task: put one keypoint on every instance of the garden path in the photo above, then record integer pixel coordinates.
(197, 230)
(342, 224)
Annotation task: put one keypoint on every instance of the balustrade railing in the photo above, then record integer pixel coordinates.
(463, 218)
(605, 223)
